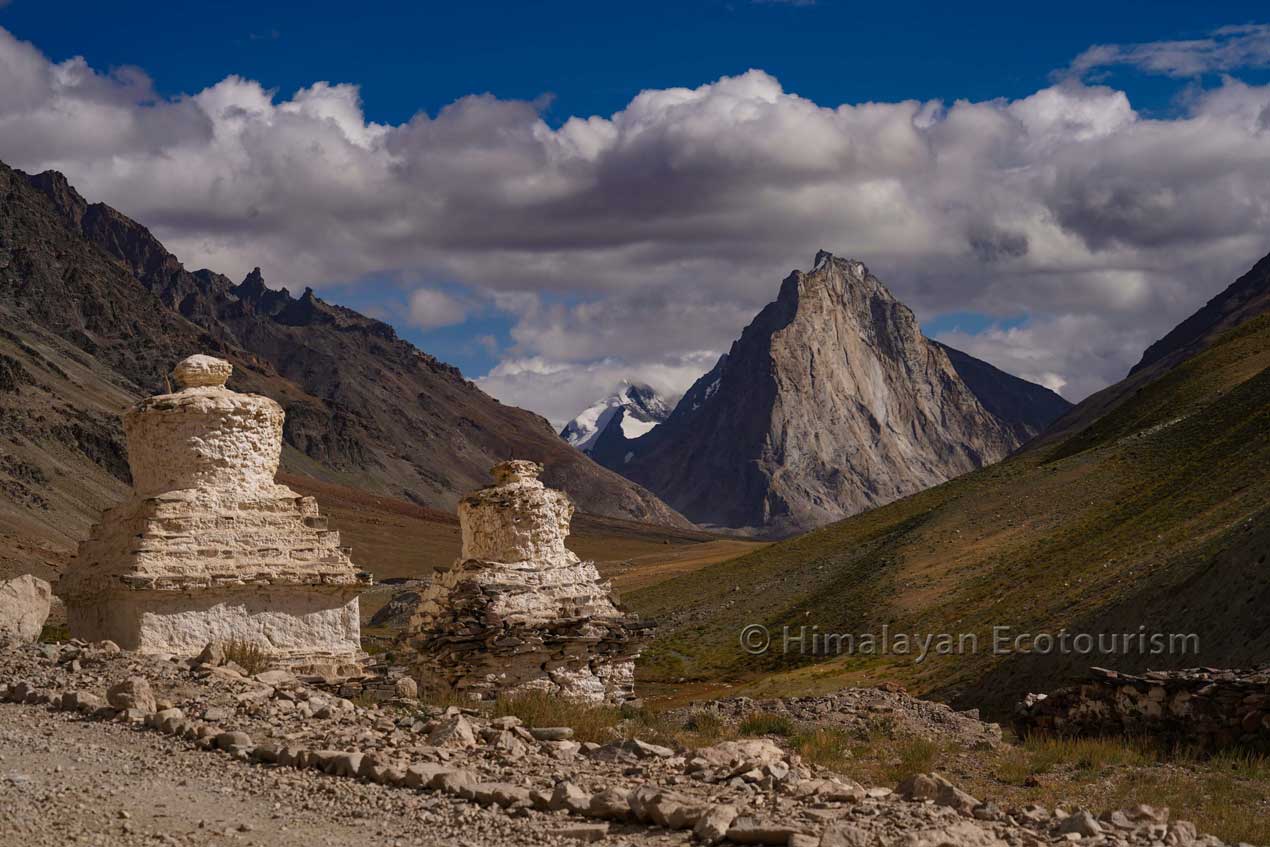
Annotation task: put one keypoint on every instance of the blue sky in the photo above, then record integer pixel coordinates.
(593, 57)
(1050, 217)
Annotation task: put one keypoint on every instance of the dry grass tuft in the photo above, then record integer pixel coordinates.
(912, 755)
(826, 747)
(589, 722)
(767, 723)
(444, 698)
(53, 633)
(247, 655)
(706, 725)
(1081, 757)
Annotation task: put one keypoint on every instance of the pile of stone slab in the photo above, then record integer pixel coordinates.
(519, 611)
(1208, 707)
(380, 682)
(209, 549)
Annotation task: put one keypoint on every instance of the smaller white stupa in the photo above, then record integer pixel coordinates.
(519, 611)
(209, 548)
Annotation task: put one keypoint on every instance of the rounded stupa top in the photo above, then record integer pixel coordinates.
(205, 436)
(517, 519)
(515, 470)
(200, 371)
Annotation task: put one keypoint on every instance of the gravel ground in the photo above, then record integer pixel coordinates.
(192, 753)
(64, 780)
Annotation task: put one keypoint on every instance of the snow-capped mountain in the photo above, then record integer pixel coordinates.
(631, 411)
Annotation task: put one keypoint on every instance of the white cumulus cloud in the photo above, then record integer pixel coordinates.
(431, 308)
(625, 245)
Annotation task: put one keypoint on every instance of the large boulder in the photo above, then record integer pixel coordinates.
(24, 606)
(133, 693)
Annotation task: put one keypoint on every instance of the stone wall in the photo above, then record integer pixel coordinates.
(1206, 707)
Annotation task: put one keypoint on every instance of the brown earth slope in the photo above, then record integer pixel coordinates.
(395, 539)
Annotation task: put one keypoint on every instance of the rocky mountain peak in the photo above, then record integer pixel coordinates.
(64, 196)
(252, 286)
(830, 402)
(848, 284)
(644, 401)
(632, 410)
(307, 310)
(260, 298)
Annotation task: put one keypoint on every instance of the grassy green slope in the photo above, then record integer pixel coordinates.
(1149, 516)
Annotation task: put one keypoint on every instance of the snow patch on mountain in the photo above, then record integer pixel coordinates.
(633, 428)
(583, 430)
(635, 407)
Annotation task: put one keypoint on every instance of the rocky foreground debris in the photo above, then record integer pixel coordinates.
(866, 711)
(524, 785)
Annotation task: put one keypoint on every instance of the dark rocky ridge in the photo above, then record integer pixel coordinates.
(94, 312)
(1244, 298)
(831, 402)
(1027, 407)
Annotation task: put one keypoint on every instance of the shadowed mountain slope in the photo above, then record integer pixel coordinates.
(1244, 298)
(1027, 408)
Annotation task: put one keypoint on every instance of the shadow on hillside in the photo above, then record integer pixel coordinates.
(1223, 599)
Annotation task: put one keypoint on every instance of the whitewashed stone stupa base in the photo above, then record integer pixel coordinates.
(313, 627)
(519, 612)
(210, 548)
